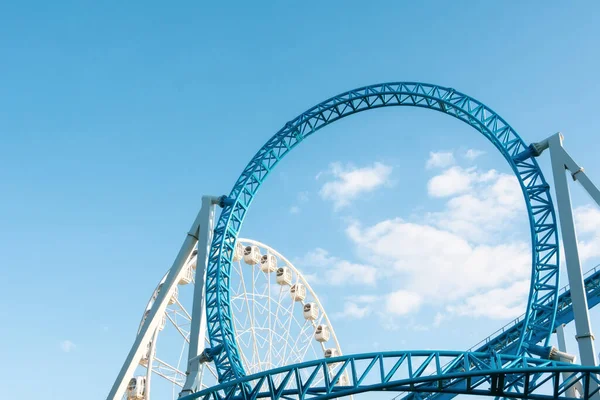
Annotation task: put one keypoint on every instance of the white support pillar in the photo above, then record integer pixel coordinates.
(160, 304)
(151, 350)
(562, 346)
(198, 323)
(583, 328)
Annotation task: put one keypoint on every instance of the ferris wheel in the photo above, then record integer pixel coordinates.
(278, 321)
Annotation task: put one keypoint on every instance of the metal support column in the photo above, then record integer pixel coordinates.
(151, 350)
(198, 324)
(562, 161)
(562, 346)
(585, 338)
(160, 304)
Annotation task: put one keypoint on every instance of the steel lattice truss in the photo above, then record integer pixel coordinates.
(539, 317)
(418, 372)
(506, 339)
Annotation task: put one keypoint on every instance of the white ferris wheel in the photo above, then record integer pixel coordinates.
(278, 320)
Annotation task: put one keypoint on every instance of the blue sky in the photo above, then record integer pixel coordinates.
(116, 118)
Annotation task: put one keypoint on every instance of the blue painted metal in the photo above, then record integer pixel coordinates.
(505, 340)
(539, 316)
(419, 371)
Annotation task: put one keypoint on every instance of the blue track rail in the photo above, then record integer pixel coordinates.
(419, 372)
(506, 339)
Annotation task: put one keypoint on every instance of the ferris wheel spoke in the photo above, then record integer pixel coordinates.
(269, 354)
(184, 334)
(169, 372)
(248, 309)
(255, 343)
(292, 316)
(306, 349)
(186, 314)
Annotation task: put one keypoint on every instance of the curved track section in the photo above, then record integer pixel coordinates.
(417, 372)
(506, 338)
(541, 308)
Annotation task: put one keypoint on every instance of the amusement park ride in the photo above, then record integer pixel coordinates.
(255, 321)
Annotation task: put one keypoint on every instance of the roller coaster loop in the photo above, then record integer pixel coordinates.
(541, 308)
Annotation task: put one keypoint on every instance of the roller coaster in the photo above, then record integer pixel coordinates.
(514, 362)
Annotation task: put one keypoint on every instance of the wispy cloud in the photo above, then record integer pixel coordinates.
(353, 311)
(402, 302)
(440, 159)
(456, 256)
(301, 198)
(338, 271)
(472, 154)
(587, 223)
(67, 346)
(349, 182)
(467, 259)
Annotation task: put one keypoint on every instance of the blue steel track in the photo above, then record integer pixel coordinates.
(418, 372)
(447, 381)
(502, 355)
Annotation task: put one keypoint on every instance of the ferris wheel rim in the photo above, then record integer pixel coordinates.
(304, 282)
(287, 262)
(149, 367)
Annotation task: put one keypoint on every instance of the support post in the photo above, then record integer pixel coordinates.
(562, 346)
(151, 350)
(198, 324)
(160, 304)
(585, 338)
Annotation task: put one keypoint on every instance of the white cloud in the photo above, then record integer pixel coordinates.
(302, 197)
(472, 154)
(363, 298)
(67, 346)
(457, 180)
(440, 159)
(358, 307)
(438, 319)
(467, 259)
(493, 205)
(439, 264)
(465, 256)
(452, 181)
(587, 219)
(402, 302)
(337, 270)
(353, 310)
(587, 224)
(349, 182)
(500, 303)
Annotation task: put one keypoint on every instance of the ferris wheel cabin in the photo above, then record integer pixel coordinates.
(268, 263)
(252, 255)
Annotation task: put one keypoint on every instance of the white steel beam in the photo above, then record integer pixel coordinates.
(198, 324)
(562, 346)
(585, 338)
(158, 308)
(151, 350)
(561, 161)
